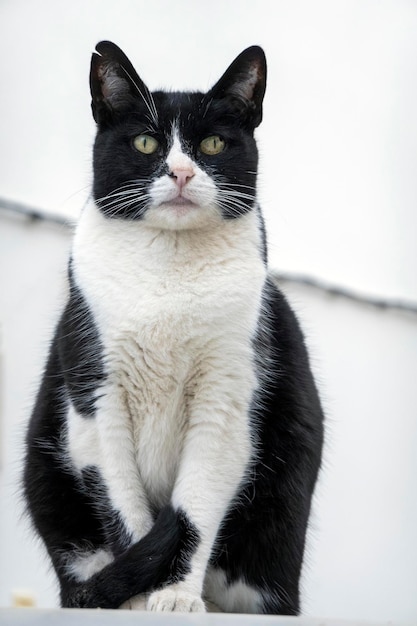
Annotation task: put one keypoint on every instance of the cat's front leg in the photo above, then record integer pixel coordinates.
(216, 453)
(130, 517)
(176, 598)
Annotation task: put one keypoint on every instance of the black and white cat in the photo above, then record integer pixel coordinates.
(176, 439)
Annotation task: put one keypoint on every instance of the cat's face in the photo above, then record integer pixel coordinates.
(175, 160)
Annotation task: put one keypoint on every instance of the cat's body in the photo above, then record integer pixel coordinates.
(176, 439)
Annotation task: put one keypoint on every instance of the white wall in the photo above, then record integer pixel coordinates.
(32, 271)
(339, 150)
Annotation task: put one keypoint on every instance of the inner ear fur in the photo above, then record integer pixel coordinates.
(114, 83)
(244, 84)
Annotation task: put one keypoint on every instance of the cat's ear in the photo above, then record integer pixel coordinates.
(114, 83)
(243, 84)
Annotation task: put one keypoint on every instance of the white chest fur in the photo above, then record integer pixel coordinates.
(176, 312)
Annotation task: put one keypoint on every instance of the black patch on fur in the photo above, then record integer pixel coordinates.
(264, 241)
(80, 351)
(63, 515)
(117, 536)
(161, 557)
(263, 535)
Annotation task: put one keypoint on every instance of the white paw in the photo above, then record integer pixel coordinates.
(137, 603)
(175, 600)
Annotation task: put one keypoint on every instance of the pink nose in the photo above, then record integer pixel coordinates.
(182, 176)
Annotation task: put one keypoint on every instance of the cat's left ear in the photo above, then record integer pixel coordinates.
(114, 83)
(243, 84)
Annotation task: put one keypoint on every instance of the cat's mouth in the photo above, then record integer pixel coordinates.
(179, 204)
(179, 201)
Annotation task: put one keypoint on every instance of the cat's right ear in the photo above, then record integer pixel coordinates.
(114, 83)
(243, 86)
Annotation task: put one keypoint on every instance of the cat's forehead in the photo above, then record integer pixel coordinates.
(177, 100)
(167, 113)
(178, 106)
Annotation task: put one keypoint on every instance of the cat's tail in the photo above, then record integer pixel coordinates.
(162, 556)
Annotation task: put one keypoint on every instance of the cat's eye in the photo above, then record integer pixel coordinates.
(145, 144)
(212, 145)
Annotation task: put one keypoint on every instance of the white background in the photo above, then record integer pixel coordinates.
(338, 185)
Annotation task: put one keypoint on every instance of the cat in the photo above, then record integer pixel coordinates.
(176, 438)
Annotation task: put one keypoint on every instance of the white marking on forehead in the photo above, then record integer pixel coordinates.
(177, 159)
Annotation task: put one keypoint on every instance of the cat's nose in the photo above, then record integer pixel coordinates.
(182, 176)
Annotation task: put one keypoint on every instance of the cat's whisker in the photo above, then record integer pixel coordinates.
(234, 194)
(152, 127)
(251, 190)
(119, 196)
(136, 183)
(237, 194)
(149, 104)
(139, 212)
(207, 107)
(123, 201)
(222, 180)
(250, 187)
(235, 200)
(132, 194)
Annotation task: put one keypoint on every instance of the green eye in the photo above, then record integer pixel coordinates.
(145, 144)
(212, 145)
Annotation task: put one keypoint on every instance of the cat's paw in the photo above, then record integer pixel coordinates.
(175, 600)
(137, 603)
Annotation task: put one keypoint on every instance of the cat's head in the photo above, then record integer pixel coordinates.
(175, 159)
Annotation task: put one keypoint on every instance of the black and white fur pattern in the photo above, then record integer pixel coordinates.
(176, 438)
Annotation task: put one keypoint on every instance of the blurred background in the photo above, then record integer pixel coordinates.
(338, 186)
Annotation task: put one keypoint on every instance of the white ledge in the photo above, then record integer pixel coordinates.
(79, 617)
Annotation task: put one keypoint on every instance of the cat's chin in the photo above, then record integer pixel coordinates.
(179, 214)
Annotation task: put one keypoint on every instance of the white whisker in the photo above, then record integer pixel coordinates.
(151, 103)
(130, 195)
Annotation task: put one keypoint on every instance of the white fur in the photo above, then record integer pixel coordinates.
(237, 597)
(83, 566)
(176, 298)
(200, 191)
(83, 442)
(175, 598)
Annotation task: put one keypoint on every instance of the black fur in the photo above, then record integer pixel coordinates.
(117, 537)
(160, 557)
(261, 540)
(80, 351)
